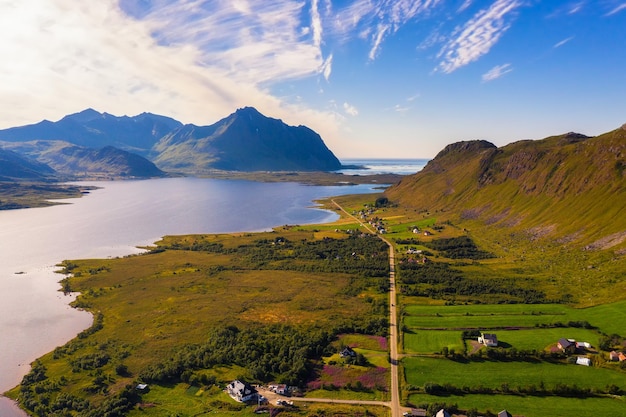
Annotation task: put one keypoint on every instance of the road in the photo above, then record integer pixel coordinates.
(394, 404)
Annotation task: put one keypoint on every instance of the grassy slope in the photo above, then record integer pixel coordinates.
(573, 191)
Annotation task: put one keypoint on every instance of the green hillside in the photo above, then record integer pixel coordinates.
(566, 187)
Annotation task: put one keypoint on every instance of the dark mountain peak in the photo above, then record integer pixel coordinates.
(245, 140)
(84, 116)
(465, 147)
(248, 110)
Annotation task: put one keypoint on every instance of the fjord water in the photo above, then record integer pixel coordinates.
(112, 221)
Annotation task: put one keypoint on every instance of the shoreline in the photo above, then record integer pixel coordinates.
(8, 405)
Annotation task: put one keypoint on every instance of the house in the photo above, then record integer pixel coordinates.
(241, 391)
(347, 352)
(416, 230)
(566, 345)
(142, 387)
(281, 389)
(583, 361)
(442, 413)
(488, 339)
(613, 356)
(583, 345)
(621, 357)
(504, 413)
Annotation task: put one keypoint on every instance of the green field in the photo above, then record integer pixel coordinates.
(531, 406)
(492, 374)
(538, 339)
(431, 341)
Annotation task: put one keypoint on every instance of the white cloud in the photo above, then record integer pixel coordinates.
(327, 67)
(376, 20)
(378, 38)
(196, 61)
(465, 5)
(616, 9)
(477, 37)
(563, 42)
(576, 7)
(316, 24)
(350, 109)
(413, 97)
(401, 109)
(496, 72)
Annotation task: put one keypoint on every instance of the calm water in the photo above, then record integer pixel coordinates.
(383, 166)
(112, 221)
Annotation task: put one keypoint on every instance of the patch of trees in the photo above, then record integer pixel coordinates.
(278, 353)
(462, 247)
(442, 281)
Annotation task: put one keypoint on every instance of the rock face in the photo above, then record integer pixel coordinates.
(244, 141)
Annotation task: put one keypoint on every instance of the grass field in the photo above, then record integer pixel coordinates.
(431, 341)
(154, 304)
(538, 339)
(492, 374)
(530, 406)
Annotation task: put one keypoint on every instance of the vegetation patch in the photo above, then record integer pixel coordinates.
(196, 306)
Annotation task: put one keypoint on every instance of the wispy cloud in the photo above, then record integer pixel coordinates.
(496, 72)
(563, 42)
(477, 37)
(616, 9)
(576, 7)
(375, 20)
(465, 5)
(350, 109)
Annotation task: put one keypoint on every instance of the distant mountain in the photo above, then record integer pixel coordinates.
(71, 160)
(14, 166)
(92, 129)
(245, 141)
(568, 186)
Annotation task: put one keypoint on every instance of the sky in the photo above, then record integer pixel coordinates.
(375, 78)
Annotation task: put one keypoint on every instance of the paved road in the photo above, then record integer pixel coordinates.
(394, 404)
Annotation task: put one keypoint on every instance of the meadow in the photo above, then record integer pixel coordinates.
(269, 304)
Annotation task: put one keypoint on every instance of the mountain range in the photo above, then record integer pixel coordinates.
(570, 187)
(94, 143)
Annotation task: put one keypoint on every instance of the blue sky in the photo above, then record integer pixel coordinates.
(374, 77)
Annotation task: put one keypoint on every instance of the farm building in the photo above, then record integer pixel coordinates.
(347, 352)
(583, 361)
(504, 413)
(613, 356)
(241, 391)
(566, 345)
(488, 339)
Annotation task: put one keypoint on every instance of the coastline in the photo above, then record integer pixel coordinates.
(7, 405)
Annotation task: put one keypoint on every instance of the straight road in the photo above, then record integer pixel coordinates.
(394, 404)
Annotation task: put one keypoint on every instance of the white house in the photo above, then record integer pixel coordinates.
(241, 391)
(488, 339)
